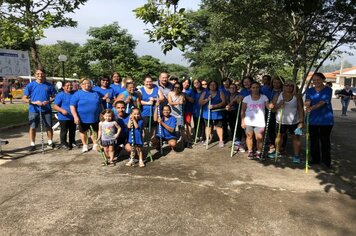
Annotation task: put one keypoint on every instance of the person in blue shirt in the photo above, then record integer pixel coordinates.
(39, 94)
(321, 120)
(225, 88)
(116, 84)
(213, 118)
(65, 118)
(150, 93)
(121, 118)
(188, 110)
(168, 125)
(266, 88)
(106, 93)
(85, 106)
(130, 97)
(199, 131)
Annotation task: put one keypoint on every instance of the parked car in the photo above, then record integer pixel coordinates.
(353, 89)
(337, 92)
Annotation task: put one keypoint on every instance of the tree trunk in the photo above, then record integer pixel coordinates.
(34, 54)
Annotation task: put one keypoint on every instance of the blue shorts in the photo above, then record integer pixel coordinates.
(34, 119)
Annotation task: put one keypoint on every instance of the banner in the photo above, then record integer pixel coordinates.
(14, 63)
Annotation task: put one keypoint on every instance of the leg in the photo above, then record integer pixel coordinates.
(314, 144)
(71, 127)
(63, 132)
(111, 153)
(325, 132)
(140, 156)
(220, 132)
(249, 141)
(259, 138)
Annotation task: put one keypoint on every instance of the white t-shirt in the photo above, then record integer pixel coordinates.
(255, 111)
(290, 111)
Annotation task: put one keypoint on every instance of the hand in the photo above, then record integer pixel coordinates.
(107, 100)
(116, 136)
(301, 125)
(307, 103)
(76, 120)
(152, 99)
(150, 102)
(44, 103)
(38, 103)
(228, 107)
(64, 112)
(211, 107)
(243, 125)
(159, 120)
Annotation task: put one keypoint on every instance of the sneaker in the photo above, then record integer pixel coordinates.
(95, 147)
(272, 149)
(32, 148)
(130, 162)
(250, 155)
(272, 155)
(51, 146)
(296, 159)
(74, 145)
(85, 148)
(242, 149)
(221, 144)
(259, 155)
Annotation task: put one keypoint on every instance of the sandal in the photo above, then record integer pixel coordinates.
(105, 163)
(141, 164)
(111, 164)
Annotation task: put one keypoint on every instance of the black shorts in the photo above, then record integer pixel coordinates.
(216, 123)
(287, 129)
(146, 120)
(83, 127)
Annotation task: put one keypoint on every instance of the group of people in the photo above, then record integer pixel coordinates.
(128, 117)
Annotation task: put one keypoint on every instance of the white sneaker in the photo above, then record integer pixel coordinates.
(95, 147)
(85, 148)
(130, 162)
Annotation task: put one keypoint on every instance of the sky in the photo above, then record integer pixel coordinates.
(96, 13)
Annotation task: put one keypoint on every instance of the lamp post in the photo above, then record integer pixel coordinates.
(62, 58)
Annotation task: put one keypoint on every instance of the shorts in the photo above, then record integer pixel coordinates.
(34, 119)
(110, 142)
(83, 127)
(146, 120)
(188, 117)
(287, 128)
(216, 123)
(254, 129)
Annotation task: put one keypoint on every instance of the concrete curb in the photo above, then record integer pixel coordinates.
(13, 126)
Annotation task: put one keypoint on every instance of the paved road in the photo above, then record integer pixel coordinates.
(195, 192)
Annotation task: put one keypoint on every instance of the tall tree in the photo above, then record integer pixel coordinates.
(24, 21)
(169, 25)
(112, 48)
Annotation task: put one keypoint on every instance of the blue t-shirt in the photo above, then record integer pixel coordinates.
(117, 89)
(137, 133)
(171, 122)
(147, 110)
(267, 91)
(323, 115)
(87, 104)
(214, 115)
(131, 103)
(102, 92)
(63, 101)
(196, 106)
(39, 92)
(122, 122)
(188, 106)
(245, 92)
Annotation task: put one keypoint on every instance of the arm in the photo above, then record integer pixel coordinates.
(99, 131)
(203, 101)
(59, 109)
(118, 129)
(170, 101)
(167, 127)
(243, 114)
(300, 112)
(222, 103)
(73, 110)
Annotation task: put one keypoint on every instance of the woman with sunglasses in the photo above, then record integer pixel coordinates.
(212, 99)
(176, 101)
(197, 111)
(292, 117)
(105, 91)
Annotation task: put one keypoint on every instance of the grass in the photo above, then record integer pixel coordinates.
(13, 114)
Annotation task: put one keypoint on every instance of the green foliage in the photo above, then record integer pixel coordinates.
(170, 26)
(110, 48)
(22, 23)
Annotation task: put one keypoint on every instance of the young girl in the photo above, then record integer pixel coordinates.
(253, 118)
(109, 130)
(166, 131)
(135, 125)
